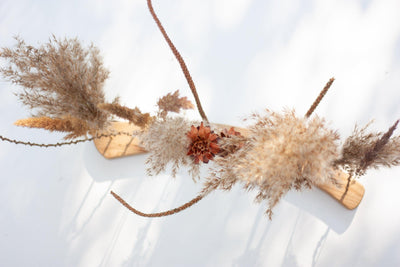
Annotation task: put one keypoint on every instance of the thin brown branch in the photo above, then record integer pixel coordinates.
(319, 98)
(158, 214)
(73, 142)
(180, 60)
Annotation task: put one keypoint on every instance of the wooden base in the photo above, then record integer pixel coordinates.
(120, 145)
(349, 194)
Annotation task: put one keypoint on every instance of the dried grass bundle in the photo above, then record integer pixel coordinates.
(59, 78)
(74, 126)
(281, 152)
(167, 142)
(363, 150)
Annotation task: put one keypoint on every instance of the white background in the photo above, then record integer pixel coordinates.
(55, 206)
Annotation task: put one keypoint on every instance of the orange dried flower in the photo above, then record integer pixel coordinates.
(203, 146)
(229, 147)
(231, 132)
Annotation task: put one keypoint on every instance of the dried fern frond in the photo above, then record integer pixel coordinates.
(282, 152)
(363, 150)
(173, 103)
(134, 116)
(74, 126)
(58, 78)
(168, 143)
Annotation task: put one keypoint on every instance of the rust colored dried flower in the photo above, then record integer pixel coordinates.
(229, 133)
(230, 146)
(203, 146)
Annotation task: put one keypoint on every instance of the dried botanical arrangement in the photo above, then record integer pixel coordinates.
(62, 83)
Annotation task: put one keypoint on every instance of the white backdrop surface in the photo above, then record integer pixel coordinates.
(55, 206)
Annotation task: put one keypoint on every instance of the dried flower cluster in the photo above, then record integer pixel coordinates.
(63, 82)
(281, 152)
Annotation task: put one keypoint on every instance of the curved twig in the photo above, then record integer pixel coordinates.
(180, 60)
(158, 214)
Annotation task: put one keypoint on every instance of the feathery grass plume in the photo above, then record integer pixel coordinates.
(134, 116)
(363, 150)
(167, 142)
(74, 126)
(282, 152)
(58, 78)
(173, 103)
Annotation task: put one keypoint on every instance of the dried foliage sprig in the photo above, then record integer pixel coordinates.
(363, 150)
(173, 103)
(134, 116)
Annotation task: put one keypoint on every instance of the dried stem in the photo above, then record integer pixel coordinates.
(319, 98)
(134, 116)
(158, 214)
(180, 60)
(74, 142)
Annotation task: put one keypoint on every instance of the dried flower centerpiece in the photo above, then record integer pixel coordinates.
(62, 82)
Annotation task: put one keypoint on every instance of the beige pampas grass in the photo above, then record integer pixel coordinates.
(74, 126)
(282, 152)
(167, 142)
(58, 78)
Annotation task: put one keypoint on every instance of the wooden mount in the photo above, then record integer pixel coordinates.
(349, 194)
(120, 145)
